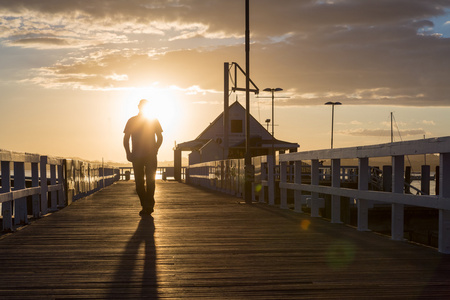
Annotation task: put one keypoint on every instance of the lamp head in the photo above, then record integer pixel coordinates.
(272, 89)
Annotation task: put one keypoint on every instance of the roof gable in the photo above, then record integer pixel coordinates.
(236, 112)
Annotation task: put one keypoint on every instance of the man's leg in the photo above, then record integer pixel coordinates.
(138, 168)
(150, 173)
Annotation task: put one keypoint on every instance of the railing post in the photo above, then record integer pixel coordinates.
(336, 183)
(425, 179)
(44, 185)
(101, 174)
(315, 181)
(271, 179)
(262, 196)
(298, 180)
(387, 178)
(6, 187)
(53, 195)
(363, 185)
(283, 179)
(35, 183)
(177, 162)
(397, 223)
(20, 205)
(61, 191)
(444, 215)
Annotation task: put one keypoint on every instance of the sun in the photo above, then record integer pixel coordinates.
(162, 105)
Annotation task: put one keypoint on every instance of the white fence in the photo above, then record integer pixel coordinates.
(397, 198)
(273, 177)
(36, 184)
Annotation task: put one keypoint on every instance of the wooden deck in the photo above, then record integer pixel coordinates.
(201, 244)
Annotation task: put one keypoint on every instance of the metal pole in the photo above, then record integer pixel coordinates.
(248, 159)
(226, 122)
(273, 114)
(332, 124)
(332, 118)
(392, 129)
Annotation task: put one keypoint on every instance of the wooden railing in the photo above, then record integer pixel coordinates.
(302, 175)
(397, 198)
(37, 185)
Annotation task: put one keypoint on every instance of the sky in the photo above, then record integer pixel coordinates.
(73, 72)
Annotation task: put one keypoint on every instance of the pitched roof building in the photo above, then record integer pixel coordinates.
(210, 144)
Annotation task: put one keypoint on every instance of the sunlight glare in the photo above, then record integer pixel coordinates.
(162, 105)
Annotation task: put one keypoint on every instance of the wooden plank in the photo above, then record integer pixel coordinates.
(201, 244)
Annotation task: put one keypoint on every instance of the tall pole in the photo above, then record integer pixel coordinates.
(332, 124)
(226, 122)
(273, 90)
(392, 129)
(332, 118)
(273, 113)
(248, 159)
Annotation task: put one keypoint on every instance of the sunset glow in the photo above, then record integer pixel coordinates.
(73, 72)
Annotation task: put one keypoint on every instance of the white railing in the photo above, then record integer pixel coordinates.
(397, 198)
(37, 185)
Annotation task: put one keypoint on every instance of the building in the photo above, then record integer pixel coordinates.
(212, 144)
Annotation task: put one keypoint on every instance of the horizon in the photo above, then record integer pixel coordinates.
(72, 73)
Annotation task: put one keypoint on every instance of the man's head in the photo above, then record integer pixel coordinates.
(142, 104)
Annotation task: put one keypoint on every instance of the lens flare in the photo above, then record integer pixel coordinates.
(305, 224)
(340, 255)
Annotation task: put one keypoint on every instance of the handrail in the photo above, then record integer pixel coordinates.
(292, 168)
(38, 184)
(397, 198)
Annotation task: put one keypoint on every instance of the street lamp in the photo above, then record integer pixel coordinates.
(267, 121)
(273, 90)
(332, 118)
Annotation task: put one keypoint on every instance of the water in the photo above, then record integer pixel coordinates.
(416, 184)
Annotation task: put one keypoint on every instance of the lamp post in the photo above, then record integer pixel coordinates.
(267, 122)
(273, 90)
(332, 118)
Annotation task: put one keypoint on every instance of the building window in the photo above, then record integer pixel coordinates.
(236, 126)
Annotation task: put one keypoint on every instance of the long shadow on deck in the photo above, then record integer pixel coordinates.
(136, 273)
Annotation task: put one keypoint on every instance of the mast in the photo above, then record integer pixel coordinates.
(392, 128)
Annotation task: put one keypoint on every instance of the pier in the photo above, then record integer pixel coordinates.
(72, 229)
(205, 244)
(298, 181)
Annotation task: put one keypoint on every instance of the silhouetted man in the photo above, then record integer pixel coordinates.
(146, 138)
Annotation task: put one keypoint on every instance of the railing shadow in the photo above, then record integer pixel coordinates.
(127, 281)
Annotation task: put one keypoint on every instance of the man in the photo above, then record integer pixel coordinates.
(143, 154)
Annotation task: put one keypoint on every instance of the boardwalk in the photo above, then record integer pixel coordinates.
(206, 245)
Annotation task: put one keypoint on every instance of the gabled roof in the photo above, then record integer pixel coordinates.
(237, 109)
(215, 128)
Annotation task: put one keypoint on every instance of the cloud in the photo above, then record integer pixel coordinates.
(357, 52)
(426, 122)
(380, 132)
(43, 43)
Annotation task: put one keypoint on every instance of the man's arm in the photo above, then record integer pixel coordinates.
(159, 140)
(126, 145)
